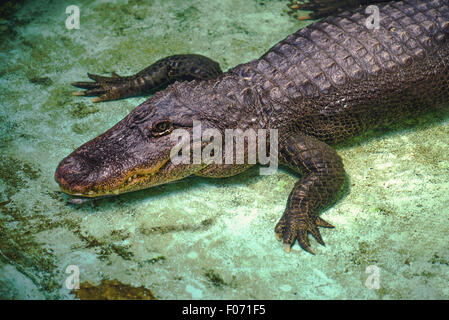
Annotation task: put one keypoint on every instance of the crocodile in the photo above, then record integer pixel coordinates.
(329, 81)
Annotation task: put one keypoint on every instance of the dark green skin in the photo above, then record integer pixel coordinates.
(156, 77)
(326, 83)
(324, 8)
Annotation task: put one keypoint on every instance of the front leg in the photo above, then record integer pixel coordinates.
(323, 176)
(157, 76)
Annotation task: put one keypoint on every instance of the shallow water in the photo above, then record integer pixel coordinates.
(198, 238)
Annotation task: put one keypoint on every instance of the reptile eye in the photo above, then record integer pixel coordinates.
(162, 127)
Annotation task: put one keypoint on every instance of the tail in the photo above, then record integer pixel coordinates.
(324, 8)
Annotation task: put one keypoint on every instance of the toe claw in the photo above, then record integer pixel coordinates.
(304, 241)
(115, 75)
(316, 234)
(287, 247)
(85, 85)
(278, 236)
(95, 77)
(303, 18)
(103, 97)
(322, 223)
(309, 250)
(94, 92)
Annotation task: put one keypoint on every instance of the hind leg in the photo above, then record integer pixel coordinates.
(324, 8)
(151, 79)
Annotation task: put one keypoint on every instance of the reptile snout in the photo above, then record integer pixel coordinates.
(72, 173)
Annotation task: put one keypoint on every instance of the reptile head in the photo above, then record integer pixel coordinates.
(132, 155)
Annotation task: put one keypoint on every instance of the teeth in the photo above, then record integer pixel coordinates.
(130, 179)
(90, 192)
(115, 192)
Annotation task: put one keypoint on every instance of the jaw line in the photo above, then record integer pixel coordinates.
(119, 189)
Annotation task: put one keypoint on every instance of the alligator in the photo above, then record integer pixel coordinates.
(329, 81)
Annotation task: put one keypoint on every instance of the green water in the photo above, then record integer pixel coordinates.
(198, 238)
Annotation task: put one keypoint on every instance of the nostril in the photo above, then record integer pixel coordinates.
(72, 171)
(74, 165)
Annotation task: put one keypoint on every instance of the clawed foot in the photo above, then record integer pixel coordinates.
(106, 88)
(320, 8)
(292, 227)
(299, 5)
